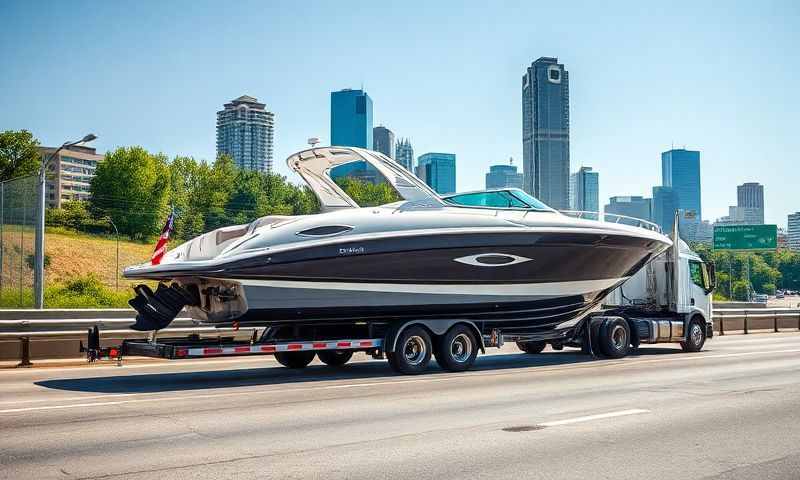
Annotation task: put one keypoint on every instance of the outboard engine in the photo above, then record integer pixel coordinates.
(156, 310)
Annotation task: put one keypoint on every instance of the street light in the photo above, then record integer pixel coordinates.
(38, 267)
(116, 270)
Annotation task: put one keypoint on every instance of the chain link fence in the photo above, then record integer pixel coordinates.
(17, 232)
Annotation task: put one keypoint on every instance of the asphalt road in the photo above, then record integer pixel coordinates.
(729, 412)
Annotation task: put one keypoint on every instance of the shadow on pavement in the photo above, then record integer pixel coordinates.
(245, 377)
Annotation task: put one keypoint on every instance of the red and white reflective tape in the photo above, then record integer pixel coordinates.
(277, 347)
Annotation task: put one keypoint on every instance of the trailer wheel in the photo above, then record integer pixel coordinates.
(531, 347)
(695, 337)
(295, 359)
(335, 358)
(615, 337)
(412, 352)
(457, 349)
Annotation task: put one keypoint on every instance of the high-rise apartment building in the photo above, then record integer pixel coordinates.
(351, 119)
(404, 154)
(680, 170)
(438, 171)
(504, 176)
(245, 131)
(584, 190)
(70, 173)
(750, 196)
(545, 132)
(635, 207)
(793, 231)
(383, 141)
(665, 203)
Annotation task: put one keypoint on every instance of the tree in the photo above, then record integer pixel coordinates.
(741, 291)
(19, 154)
(132, 186)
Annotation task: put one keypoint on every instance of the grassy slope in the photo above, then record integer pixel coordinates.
(72, 256)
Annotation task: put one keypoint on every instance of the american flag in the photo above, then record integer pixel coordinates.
(161, 246)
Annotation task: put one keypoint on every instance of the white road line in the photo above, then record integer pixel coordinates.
(590, 418)
(436, 378)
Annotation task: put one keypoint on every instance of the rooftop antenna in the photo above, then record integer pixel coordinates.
(511, 160)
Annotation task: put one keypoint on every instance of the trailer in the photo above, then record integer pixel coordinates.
(666, 301)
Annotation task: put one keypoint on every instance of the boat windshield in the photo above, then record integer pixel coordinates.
(508, 198)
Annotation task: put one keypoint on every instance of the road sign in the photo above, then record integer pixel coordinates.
(746, 237)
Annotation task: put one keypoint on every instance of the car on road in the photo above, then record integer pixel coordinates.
(761, 298)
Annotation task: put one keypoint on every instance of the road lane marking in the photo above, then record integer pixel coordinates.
(591, 418)
(435, 378)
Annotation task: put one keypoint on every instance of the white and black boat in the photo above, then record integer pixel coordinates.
(499, 258)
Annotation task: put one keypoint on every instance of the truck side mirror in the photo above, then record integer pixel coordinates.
(712, 273)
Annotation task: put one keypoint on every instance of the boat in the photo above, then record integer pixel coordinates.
(499, 258)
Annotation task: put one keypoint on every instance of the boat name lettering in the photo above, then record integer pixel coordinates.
(352, 250)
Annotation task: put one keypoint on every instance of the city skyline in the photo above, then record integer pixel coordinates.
(629, 100)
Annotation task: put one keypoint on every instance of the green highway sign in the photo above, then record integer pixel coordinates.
(746, 237)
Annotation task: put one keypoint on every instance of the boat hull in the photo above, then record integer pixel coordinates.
(526, 284)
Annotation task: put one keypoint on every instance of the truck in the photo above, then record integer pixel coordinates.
(668, 300)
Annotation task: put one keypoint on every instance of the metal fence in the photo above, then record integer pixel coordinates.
(17, 224)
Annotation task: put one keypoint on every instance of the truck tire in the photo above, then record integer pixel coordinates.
(335, 358)
(695, 337)
(295, 359)
(457, 349)
(614, 338)
(531, 347)
(412, 351)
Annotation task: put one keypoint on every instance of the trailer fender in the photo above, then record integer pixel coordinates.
(435, 327)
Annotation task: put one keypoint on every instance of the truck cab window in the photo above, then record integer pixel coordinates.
(696, 273)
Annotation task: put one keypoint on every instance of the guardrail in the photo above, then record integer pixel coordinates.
(29, 325)
(748, 316)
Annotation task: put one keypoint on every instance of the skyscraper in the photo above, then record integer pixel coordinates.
(584, 190)
(545, 132)
(351, 119)
(793, 232)
(635, 207)
(750, 196)
(404, 154)
(665, 203)
(383, 141)
(245, 133)
(680, 170)
(438, 170)
(504, 176)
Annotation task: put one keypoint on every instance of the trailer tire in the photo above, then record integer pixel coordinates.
(614, 337)
(695, 337)
(295, 359)
(531, 347)
(457, 349)
(412, 351)
(335, 358)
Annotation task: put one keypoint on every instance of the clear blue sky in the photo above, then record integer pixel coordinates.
(721, 77)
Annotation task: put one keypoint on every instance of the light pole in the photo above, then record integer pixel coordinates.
(38, 267)
(116, 270)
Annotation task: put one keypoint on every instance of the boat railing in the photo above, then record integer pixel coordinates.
(613, 218)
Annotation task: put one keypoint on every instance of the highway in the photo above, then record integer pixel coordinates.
(729, 412)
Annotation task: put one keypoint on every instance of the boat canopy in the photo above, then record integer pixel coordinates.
(315, 164)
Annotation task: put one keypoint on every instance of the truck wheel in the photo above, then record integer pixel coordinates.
(457, 349)
(295, 359)
(335, 358)
(412, 352)
(614, 338)
(695, 337)
(531, 347)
